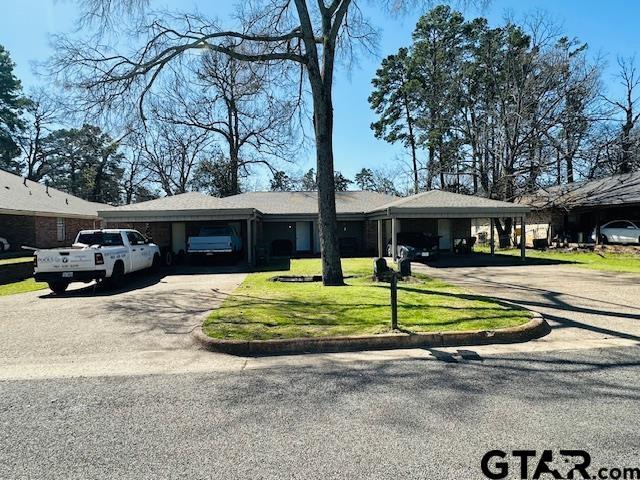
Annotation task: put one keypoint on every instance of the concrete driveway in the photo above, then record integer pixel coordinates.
(585, 308)
(143, 327)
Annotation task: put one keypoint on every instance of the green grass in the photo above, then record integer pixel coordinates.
(7, 261)
(609, 261)
(262, 309)
(28, 285)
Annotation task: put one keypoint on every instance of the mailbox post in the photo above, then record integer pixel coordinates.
(394, 300)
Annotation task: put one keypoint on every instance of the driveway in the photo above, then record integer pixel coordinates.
(145, 326)
(585, 308)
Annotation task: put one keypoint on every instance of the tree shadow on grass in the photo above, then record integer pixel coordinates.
(316, 313)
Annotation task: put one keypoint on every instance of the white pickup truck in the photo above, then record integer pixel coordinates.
(95, 255)
(215, 240)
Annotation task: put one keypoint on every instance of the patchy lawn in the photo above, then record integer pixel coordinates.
(27, 285)
(262, 309)
(610, 261)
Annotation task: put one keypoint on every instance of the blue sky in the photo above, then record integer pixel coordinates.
(609, 27)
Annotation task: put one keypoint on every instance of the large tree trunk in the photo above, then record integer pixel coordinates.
(625, 164)
(234, 166)
(412, 143)
(504, 232)
(328, 225)
(569, 164)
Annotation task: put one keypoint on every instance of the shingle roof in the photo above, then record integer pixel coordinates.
(183, 201)
(306, 203)
(282, 203)
(436, 200)
(268, 203)
(31, 198)
(613, 190)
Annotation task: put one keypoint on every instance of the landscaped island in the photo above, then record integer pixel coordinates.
(262, 309)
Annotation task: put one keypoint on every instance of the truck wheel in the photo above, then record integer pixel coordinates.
(115, 280)
(58, 287)
(168, 258)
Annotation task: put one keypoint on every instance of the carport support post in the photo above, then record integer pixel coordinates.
(394, 238)
(249, 242)
(492, 236)
(380, 239)
(523, 239)
(394, 300)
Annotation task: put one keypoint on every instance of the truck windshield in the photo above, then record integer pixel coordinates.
(104, 239)
(215, 231)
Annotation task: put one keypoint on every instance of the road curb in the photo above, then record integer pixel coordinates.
(536, 327)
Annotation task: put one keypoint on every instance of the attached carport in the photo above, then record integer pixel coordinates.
(445, 214)
(171, 220)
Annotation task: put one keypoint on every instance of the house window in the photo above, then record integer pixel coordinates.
(61, 229)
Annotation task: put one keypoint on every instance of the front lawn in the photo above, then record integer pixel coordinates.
(23, 286)
(7, 261)
(609, 261)
(262, 309)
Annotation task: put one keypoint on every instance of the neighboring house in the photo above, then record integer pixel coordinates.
(367, 221)
(574, 210)
(33, 215)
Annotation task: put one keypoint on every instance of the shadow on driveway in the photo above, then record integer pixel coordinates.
(486, 260)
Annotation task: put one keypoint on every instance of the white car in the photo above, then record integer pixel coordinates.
(619, 231)
(95, 255)
(4, 245)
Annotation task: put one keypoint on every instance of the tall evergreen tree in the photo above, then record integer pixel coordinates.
(394, 100)
(86, 163)
(12, 104)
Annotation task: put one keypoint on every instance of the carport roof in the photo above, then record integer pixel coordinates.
(441, 204)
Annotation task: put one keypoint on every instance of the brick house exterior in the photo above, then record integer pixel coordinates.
(33, 215)
(286, 223)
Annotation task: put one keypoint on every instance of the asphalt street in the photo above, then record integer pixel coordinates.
(404, 418)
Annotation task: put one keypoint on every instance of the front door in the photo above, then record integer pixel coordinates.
(303, 236)
(444, 231)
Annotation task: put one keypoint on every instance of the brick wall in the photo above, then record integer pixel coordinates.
(460, 227)
(426, 225)
(160, 232)
(371, 237)
(18, 230)
(46, 231)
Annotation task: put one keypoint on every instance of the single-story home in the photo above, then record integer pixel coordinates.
(267, 221)
(34, 215)
(574, 210)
